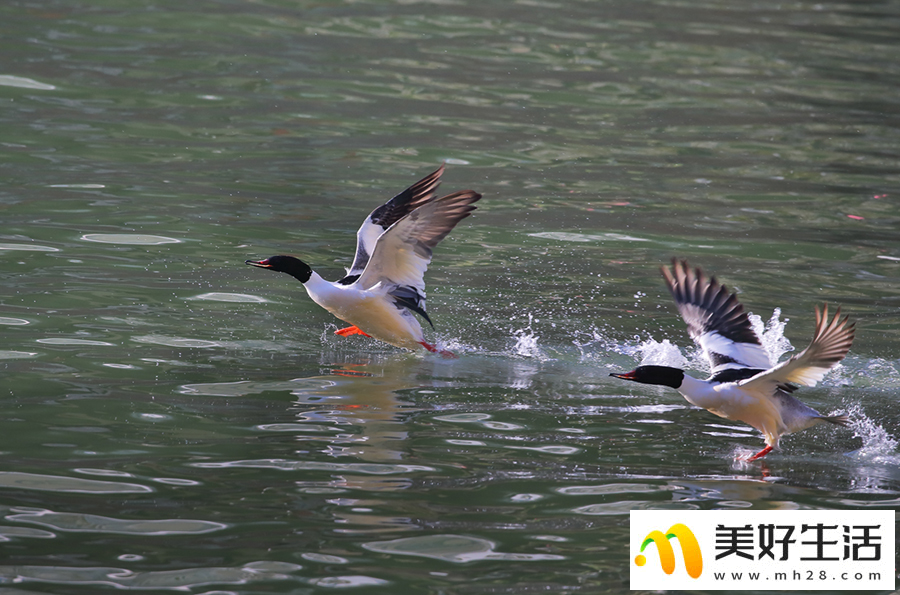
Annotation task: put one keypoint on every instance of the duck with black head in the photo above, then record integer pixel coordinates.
(744, 385)
(384, 288)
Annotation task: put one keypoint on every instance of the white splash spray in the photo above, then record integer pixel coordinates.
(877, 443)
(527, 341)
(771, 334)
(661, 354)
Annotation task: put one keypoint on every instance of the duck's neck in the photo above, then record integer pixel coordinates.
(699, 392)
(326, 294)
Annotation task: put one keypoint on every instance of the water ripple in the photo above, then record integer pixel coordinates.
(54, 483)
(27, 247)
(8, 80)
(67, 341)
(452, 548)
(17, 354)
(179, 580)
(285, 465)
(131, 239)
(323, 558)
(479, 418)
(243, 388)
(356, 580)
(13, 321)
(89, 523)
(610, 488)
(229, 297)
(626, 506)
(586, 237)
(549, 449)
(8, 533)
(178, 341)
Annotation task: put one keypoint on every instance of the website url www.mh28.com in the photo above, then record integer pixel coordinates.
(798, 576)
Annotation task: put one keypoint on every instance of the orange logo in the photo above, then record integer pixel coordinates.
(690, 549)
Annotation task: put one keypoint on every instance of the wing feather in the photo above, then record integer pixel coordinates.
(387, 215)
(715, 319)
(830, 344)
(403, 252)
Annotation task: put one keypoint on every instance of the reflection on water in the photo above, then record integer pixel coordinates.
(451, 548)
(32, 481)
(98, 524)
(131, 239)
(173, 423)
(7, 80)
(180, 580)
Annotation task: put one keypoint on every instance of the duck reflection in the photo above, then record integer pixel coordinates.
(362, 403)
(347, 427)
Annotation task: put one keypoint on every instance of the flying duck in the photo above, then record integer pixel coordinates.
(744, 386)
(384, 287)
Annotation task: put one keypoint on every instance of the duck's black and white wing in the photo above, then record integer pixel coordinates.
(387, 215)
(403, 252)
(716, 321)
(830, 344)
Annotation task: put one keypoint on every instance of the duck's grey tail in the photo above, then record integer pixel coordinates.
(838, 420)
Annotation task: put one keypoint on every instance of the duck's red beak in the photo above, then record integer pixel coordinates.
(624, 375)
(259, 263)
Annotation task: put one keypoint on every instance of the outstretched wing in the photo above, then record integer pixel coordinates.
(403, 251)
(388, 214)
(829, 346)
(715, 319)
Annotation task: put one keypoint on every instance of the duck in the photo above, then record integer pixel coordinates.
(384, 289)
(744, 385)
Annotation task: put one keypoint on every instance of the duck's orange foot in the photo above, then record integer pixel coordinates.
(351, 374)
(760, 454)
(350, 330)
(443, 352)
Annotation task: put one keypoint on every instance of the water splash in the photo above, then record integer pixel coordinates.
(740, 456)
(591, 342)
(595, 344)
(771, 334)
(454, 345)
(665, 353)
(527, 342)
(877, 443)
(661, 354)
